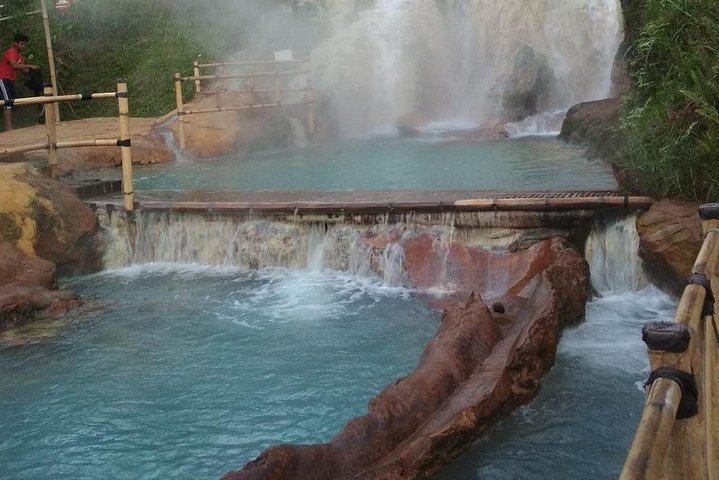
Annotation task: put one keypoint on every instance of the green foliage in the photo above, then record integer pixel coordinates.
(96, 42)
(670, 121)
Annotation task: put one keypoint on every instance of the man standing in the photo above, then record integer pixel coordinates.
(12, 61)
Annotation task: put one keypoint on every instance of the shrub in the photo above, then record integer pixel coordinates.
(670, 122)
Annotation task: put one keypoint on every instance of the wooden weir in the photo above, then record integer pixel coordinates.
(52, 144)
(269, 80)
(677, 434)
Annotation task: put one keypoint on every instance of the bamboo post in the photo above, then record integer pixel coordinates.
(196, 73)
(250, 83)
(50, 127)
(310, 101)
(278, 98)
(124, 114)
(710, 224)
(654, 431)
(50, 55)
(180, 111)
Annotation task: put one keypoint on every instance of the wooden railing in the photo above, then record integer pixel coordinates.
(52, 144)
(677, 434)
(270, 79)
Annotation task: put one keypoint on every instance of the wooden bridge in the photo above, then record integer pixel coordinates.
(364, 202)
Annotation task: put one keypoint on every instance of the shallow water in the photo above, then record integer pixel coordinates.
(531, 163)
(192, 371)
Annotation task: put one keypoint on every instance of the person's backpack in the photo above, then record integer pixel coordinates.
(34, 82)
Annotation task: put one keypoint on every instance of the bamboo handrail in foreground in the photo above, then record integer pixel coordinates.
(52, 144)
(665, 447)
(250, 90)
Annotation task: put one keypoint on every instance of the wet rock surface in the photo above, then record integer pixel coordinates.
(482, 364)
(670, 237)
(44, 226)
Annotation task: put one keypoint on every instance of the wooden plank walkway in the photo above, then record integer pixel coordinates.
(370, 202)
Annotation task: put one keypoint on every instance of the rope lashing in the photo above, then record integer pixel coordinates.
(702, 280)
(124, 143)
(688, 405)
(666, 336)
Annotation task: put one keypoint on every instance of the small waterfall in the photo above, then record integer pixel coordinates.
(612, 251)
(374, 250)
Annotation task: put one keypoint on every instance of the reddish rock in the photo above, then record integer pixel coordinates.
(18, 269)
(670, 236)
(478, 368)
(21, 304)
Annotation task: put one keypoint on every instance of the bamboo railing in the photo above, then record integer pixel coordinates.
(677, 434)
(263, 70)
(52, 144)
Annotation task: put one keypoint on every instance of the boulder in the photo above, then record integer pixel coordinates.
(220, 133)
(21, 304)
(410, 125)
(42, 222)
(528, 84)
(44, 217)
(480, 366)
(19, 269)
(593, 124)
(670, 237)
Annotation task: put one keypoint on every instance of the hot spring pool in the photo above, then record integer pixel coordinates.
(529, 163)
(192, 371)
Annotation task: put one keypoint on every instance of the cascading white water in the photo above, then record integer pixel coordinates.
(612, 251)
(456, 60)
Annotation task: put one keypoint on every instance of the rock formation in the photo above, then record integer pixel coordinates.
(480, 366)
(221, 133)
(670, 237)
(42, 223)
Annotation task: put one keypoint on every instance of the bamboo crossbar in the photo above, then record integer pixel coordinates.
(60, 98)
(88, 143)
(234, 109)
(243, 75)
(67, 144)
(258, 62)
(23, 149)
(552, 203)
(26, 14)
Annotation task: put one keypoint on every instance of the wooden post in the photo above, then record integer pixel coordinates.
(124, 114)
(50, 55)
(180, 111)
(196, 73)
(651, 441)
(310, 101)
(52, 162)
(710, 223)
(250, 84)
(278, 98)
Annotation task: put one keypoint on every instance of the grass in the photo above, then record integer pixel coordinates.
(670, 122)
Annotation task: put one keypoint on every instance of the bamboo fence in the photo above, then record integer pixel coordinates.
(52, 144)
(665, 446)
(262, 72)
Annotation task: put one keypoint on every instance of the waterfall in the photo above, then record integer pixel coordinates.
(463, 60)
(612, 251)
(375, 250)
